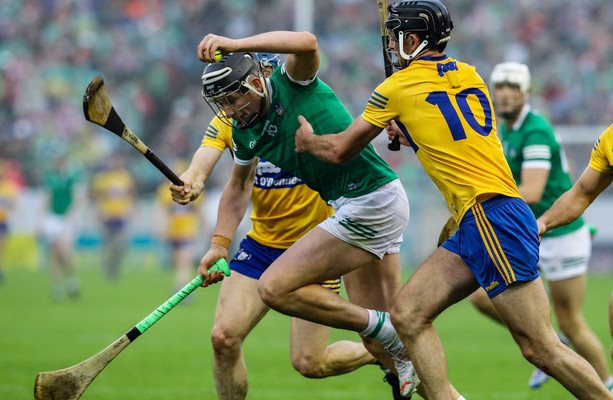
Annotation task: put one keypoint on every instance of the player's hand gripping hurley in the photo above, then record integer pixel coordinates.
(70, 383)
(98, 109)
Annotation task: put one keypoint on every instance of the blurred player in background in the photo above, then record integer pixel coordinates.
(114, 193)
(540, 169)
(571, 205)
(180, 223)
(8, 195)
(284, 209)
(360, 242)
(65, 199)
(442, 109)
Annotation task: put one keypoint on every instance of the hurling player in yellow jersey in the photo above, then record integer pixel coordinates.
(179, 229)
(284, 208)
(571, 205)
(443, 110)
(114, 194)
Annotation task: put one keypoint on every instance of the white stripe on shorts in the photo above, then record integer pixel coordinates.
(374, 222)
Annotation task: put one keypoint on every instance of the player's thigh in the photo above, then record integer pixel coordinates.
(316, 257)
(441, 281)
(239, 307)
(567, 295)
(480, 299)
(375, 284)
(308, 340)
(524, 308)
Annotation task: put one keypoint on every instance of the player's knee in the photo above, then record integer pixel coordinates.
(269, 293)
(404, 319)
(536, 352)
(308, 368)
(528, 352)
(223, 342)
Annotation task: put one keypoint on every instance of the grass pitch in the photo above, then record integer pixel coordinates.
(172, 360)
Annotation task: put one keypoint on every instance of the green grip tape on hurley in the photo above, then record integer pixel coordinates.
(220, 265)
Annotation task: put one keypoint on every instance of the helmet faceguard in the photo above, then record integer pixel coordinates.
(428, 19)
(232, 74)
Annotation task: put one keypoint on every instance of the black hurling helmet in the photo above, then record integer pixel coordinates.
(428, 19)
(231, 75)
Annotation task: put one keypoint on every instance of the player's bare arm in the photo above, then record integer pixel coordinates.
(232, 207)
(573, 203)
(301, 63)
(533, 182)
(198, 172)
(335, 148)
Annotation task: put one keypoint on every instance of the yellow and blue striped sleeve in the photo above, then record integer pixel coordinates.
(602, 153)
(217, 135)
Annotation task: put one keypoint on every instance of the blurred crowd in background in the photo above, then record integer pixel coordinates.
(146, 52)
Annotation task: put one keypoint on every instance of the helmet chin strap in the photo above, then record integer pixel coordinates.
(409, 57)
(254, 118)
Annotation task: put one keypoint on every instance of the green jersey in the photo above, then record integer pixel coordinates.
(531, 143)
(273, 140)
(60, 185)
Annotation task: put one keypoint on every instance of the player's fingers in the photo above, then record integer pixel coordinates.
(305, 125)
(204, 48)
(200, 49)
(175, 188)
(211, 278)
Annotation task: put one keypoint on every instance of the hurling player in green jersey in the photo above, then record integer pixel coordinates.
(443, 110)
(540, 168)
(360, 241)
(283, 209)
(571, 205)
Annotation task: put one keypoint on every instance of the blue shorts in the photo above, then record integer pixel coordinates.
(180, 243)
(114, 225)
(253, 258)
(498, 240)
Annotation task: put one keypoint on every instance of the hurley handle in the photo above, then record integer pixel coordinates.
(220, 265)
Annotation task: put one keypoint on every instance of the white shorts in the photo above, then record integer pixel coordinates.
(374, 222)
(57, 227)
(565, 256)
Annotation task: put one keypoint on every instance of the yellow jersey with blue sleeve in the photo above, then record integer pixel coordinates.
(284, 208)
(444, 109)
(602, 153)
